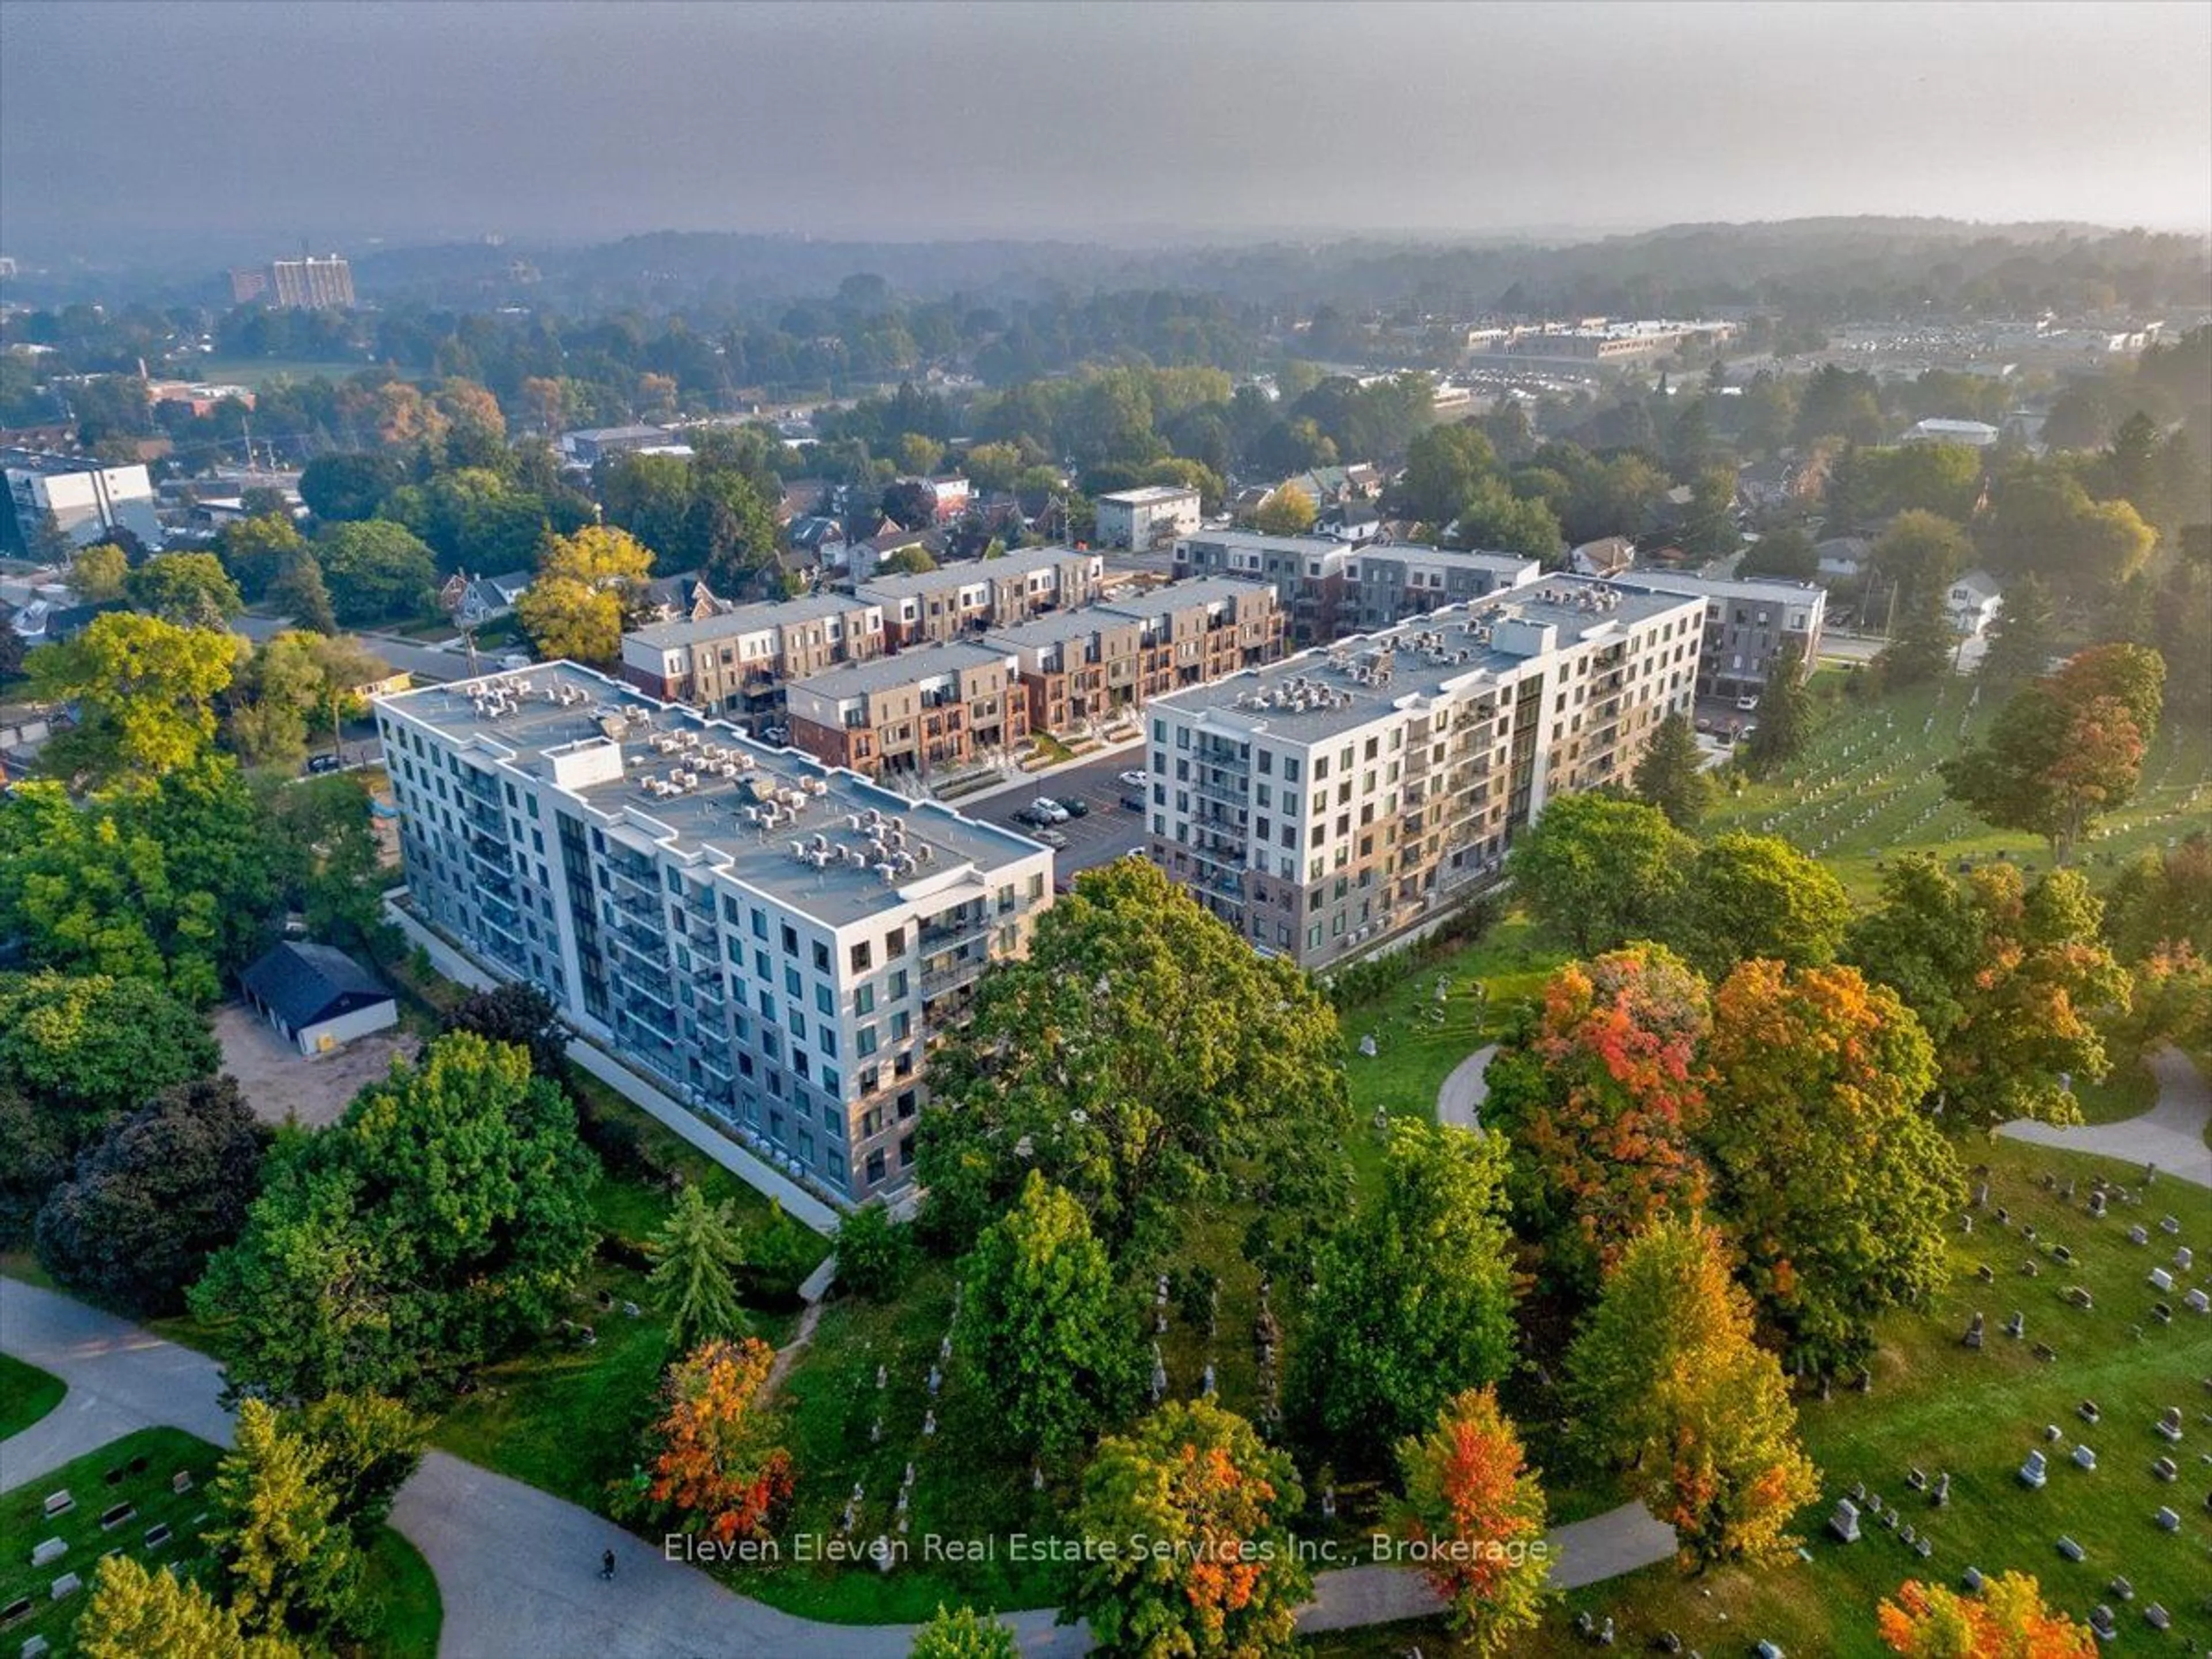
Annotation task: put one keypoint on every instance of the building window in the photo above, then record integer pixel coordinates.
(859, 956)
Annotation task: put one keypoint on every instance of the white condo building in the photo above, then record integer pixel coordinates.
(769, 940)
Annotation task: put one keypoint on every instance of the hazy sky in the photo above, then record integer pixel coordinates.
(345, 121)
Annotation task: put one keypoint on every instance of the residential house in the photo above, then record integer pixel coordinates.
(1605, 557)
(1973, 602)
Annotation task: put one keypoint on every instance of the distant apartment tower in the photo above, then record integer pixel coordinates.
(772, 943)
(1141, 518)
(88, 503)
(312, 283)
(1332, 801)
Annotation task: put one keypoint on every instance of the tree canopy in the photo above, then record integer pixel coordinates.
(586, 584)
(145, 690)
(1599, 870)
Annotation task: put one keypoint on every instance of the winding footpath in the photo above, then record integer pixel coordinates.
(2170, 1135)
(517, 1567)
(1459, 1101)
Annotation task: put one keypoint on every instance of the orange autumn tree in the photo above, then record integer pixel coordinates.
(1474, 1514)
(1220, 1574)
(1601, 1104)
(2007, 1620)
(1666, 1380)
(712, 1463)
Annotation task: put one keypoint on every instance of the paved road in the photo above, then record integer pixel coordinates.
(1459, 1102)
(2170, 1134)
(517, 1568)
(1111, 831)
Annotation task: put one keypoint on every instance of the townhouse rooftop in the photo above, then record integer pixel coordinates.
(966, 572)
(748, 619)
(1331, 689)
(827, 842)
(921, 662)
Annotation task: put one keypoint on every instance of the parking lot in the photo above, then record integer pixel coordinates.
(1108, 832)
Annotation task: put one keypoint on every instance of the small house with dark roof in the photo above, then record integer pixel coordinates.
(317, 996)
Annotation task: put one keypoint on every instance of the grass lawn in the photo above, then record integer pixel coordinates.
(1867, 788)
(26, 1394)
(565, 1416)
(1938, 1405)
(142, 1464)
(2129, 1091)
(254, 372)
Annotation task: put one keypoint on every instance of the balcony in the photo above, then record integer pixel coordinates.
(953, 929)
(484, 818)
(946, 973)
(637, 876)
(491, 856)
(1233, 792)
(647, 960)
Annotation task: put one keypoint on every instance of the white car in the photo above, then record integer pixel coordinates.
(1137, 779)
(1053, 839)
(1747, 703)
(1049, 810)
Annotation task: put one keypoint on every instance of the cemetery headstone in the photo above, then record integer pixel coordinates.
(2032, 1474)
(2069, 1549)
(1844, 1522)
(69, 1583)
(58, 1503)
(47, 1551)
(2167, 1519)
(2085, 1459)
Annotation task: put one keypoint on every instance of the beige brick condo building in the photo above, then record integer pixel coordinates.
(1323, 804)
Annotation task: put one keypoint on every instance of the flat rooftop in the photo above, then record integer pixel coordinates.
(1423, 553)
(1774, 589)
(966, 572)
(1186, 595)
(749, 619)
(561, 715)
(859, 679)
(1150, 494)
(1330, 690)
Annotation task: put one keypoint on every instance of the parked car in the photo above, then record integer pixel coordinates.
(1134, 803)
(1137, 779)
(1747, 702)
(1049, 810)
(1075, 806)
(319, 764)
(1053, 839)
(1029, 819)
(779, 734)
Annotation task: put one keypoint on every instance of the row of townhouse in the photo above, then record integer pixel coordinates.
(1327, 589)
(770, 940)
(738, 663)
(932, 607)
(1334, 800)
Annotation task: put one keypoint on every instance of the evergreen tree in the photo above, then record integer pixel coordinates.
(1785, 714)
(696, 1253)
(1671, 774)
(1922, 648)
(2021, 638)
(298, 591)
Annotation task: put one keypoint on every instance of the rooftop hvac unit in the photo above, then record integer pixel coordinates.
(887, 871)
(925, 852)
(851, 820)
(798, 850)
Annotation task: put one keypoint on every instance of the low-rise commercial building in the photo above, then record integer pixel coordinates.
(771, 941)
(916, 711)
(931, 607)
(738, 662)
(1327, 802)
(87, 501)
(1138, 519)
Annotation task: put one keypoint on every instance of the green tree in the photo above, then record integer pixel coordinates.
(519, 1013)
(1666, 1379)
(151, 1200)
(375, 571)
(135, 1612)
(1599, 872)
(256, 550)
(288, 1563)
(963, 1633)
(1925, 643)
(2021, 637)
(1786, 553)
(1837, 1188)
(1444, 466)
(336, 486)
(1785, 714)
(1413, 1296)
(696, 1252)
(1920, 552)
(2010, 978)
(1138, 1054)
(1757, 896)
(189, 589)
(1472, 1501)
(1287, 511)
(96, 574)
(97, 1045)
(1670, 774)
(1051, 1335)
(299, 592)
(2066, 749)
(445, 1215)
(576, 605)
(1225, 1576)
(874, 1253)
(366, 1448)
(145, 690)
(1602, 1104)
(905, 560)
